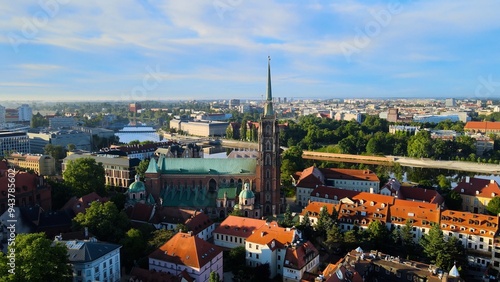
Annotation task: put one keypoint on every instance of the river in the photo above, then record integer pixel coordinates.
(141, 133)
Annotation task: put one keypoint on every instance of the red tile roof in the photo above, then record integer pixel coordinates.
(314, 208)
(145, 275)
(268, 233)
(140, 212)
(421, 214)
(299, 256)
(239, 226)
(198, 222)
(371, 197)
(350, 174)
(469, 223)
(186, 249)
(482, 125)
(478, 187)
(322, 191)
(363, 213)
(310, 178)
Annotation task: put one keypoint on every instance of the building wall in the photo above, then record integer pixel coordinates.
(295, 275)
(43, 165)
(14, 142)
(228, 241)
(105, 268)
(199, 274)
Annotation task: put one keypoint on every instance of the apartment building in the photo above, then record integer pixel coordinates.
(477, 193)
(234, 231)
(41, 164)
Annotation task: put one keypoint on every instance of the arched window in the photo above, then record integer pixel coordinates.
(268, 159)
(268, 145)
(268, 173)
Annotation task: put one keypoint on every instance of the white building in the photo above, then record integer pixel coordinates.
(93, 260)
(25, 112)
(283, 249)
(190, 253)
(234, 231)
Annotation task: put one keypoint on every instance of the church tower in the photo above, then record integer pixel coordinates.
(269, 161)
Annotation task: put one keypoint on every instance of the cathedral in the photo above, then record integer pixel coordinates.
(219, 186)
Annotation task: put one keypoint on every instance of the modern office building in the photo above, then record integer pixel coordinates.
(12, 142)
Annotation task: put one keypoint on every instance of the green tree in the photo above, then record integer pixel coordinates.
(37, 259)
(214, 277)
(334, 237)
(142, 167)
(453, 200)
(134, 245)
(433, 243)
(56, 151)
(350, 239)
(235, 259)
(243, 130)
(324, 221)
(71, 147)
(84, 176)
(493, 206)
(444, 183)
(377, 233)
(158, 238)
(61, 193)
(229, 132)
(181, 228)
(420, 145)
(291, 162)
(287, 218)
(99, 218)
(451, 253)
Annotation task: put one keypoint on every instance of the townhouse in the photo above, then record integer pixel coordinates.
(420, 215)
(477, 193)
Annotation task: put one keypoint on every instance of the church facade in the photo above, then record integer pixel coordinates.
(215, 185)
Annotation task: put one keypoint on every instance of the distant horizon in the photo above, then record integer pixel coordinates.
(197, 50)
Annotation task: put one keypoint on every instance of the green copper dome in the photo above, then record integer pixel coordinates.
(247, 194)
(137, 186)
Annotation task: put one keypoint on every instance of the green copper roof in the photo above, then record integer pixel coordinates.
(152, 167)
(247, 194)
(231, 192)
(136, 187)
(207, 166)
(188, 198)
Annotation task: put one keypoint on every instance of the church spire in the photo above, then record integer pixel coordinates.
(268, 111)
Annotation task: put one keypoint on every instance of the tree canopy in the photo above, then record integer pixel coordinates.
(37, 259)
(85, 175)
(493, 206)
(104, 220)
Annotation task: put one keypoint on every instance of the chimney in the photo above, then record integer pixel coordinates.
(371, 190)
(492, 181)
(467, 179)
(86, 232)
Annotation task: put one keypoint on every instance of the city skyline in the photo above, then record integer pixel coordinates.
(167, 50)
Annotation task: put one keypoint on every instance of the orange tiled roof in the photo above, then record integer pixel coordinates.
(310, 178)
(198, 222)
(350, 174)
(469, 223)
(421, 214)
(271, 231)
(186, 249)
(482, 125)
(478, 187)
(239, 226)
(363, 213)
(299, 256)
(371, 197)
(322, 191)
(313, 208)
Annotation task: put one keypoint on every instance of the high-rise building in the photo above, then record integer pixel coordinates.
(450, 102)
(2, 115)
(25, 112)
(234, 103)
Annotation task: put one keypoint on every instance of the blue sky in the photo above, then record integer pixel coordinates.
(127, 50)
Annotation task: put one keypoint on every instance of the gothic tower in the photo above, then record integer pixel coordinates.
(269, 161)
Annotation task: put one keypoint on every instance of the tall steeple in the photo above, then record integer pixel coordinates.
(268, 110)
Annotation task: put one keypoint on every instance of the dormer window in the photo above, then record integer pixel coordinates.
(372, 203)
(326, 196)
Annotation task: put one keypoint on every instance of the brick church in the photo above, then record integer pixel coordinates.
(218, 186)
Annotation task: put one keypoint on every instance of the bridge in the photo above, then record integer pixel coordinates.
(404, 161)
